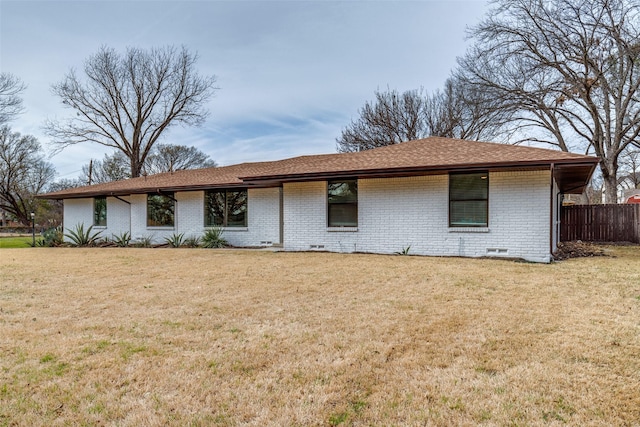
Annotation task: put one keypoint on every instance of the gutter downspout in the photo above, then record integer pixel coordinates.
(559, 201)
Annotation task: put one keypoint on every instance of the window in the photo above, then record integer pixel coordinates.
(100, 211)
(225, 208)
(342, 203)
(469, 199)
(160, 210)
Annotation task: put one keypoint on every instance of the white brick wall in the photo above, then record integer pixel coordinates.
(77, 211)
(394, 213)
(305, 217)
(263, 217)
(80, 211)
(118, 217)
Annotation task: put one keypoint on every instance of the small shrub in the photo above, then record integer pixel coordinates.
(52, 237)
(80, 237)
(192, 242)
(175, 240)
(144, 242)
(122, 240)
(213, 238)
(404, 251)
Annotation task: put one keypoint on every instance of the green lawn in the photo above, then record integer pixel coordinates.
(15, 242)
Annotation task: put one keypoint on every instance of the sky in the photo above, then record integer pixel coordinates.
(291, 74)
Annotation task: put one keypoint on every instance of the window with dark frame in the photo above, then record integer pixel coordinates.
(160, 210)
(342, 203)
(469, 199)
(100, 211)
(225, 208)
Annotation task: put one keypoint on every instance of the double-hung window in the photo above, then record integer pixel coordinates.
(100, 211)
(160, 210)
(342, 203)
(225, 208)
(469, 199)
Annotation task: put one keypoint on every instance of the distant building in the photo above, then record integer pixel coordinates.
(632, 196)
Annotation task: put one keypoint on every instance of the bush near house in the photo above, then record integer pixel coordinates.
(213, 238)
(78, 236)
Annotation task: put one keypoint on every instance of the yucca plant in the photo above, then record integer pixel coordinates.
(175, 240)
(404, 251)
(213, 238)
(122, 240)
(80, 237)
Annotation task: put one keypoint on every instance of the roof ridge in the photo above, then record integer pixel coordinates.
(425, 155)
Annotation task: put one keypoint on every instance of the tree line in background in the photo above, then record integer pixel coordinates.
(564, 73)
(24, 172)
(124, 102)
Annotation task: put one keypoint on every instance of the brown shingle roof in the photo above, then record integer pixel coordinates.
(427, 155)
(225, 176)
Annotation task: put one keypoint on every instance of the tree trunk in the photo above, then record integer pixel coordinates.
(136, 168)
(609, 169)
(610, 188)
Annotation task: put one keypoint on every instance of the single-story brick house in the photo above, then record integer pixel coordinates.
(438, 196)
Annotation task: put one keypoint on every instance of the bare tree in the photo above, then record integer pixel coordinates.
(568, 70)
(163, 158)
(112, 167)
(10, 101)
(23, 174)
(128, 101)
(630, 169)
(460, 111)
(171, 158)
(455, 112)
(393, 118)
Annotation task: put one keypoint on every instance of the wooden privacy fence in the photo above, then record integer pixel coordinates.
(600, 223)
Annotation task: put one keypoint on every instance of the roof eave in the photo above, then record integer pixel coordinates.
(145, 190)
(582, 167)
(573, 180)
(412, 171)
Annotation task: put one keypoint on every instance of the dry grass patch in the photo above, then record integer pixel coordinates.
(217, 337)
